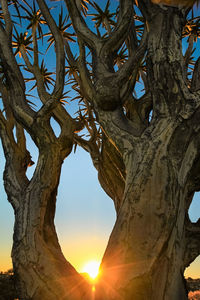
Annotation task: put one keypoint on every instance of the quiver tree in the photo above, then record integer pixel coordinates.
(39, 265)
(153, 240)
(145, 150)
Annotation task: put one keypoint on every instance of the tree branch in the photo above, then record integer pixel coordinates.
(121, 31)
(70, 56)
(132, 41)
(80, 26)
(59, 48)
(50, 102)
(17, 160)
(7, 56)
(15, 82)
(87, 85)
(131, 65)
(35, 45)
(8, 22)
(25, 58)
(47, 108)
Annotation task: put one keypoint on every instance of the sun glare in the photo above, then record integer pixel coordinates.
(92, 268)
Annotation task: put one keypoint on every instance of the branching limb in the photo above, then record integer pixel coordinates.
(8, 22)
(121, 31)
(70, 56)
(80, 26)
(15, 80)
(132, 41)
(51, 104)
(87, 85)
(35, 45)
(47, 108)
(8, 111)
(25, 58)
(7, 57)
(9, 168)
(35, 70)
(17, 159)
(131, 65)
(59, 48)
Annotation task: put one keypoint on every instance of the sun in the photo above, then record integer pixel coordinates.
(92, 268)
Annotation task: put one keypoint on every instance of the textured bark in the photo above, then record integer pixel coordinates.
(40, 267)
(111, 172)
(150, 166)
(145, 253)
(151, 243)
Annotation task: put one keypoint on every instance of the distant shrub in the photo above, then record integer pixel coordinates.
(7, 287)
(194, 295)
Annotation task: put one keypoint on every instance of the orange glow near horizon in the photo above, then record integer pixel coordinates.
(91, 268)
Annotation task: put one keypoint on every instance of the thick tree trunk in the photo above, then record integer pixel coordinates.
(144, 258)
(41, 269)
(147, 252)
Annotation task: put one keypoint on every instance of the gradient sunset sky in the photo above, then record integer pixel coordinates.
(85, 215)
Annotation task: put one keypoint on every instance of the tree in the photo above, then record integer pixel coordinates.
(42, 271)
(145, 150)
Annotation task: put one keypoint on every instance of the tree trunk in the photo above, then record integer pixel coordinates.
(144, 258)
(41, 269)
(147, 252)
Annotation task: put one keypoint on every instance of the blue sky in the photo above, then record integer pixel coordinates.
(85, 215)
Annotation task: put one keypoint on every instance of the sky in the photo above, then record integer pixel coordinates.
(85, 215)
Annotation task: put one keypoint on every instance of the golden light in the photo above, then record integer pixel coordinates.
(92, 268)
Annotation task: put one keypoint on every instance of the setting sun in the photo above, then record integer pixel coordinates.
(92, 268)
